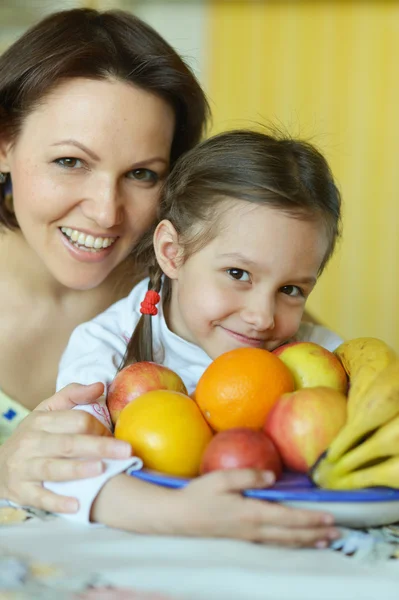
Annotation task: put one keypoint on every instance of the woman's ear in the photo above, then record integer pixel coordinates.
(167, 248)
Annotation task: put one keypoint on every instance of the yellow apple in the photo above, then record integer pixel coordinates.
(312, 365)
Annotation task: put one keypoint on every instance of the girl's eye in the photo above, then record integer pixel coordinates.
(293, 290)
(239, 274)
(69, 163)
(144, 175)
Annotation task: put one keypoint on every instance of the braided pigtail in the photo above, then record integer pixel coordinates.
(140, 344)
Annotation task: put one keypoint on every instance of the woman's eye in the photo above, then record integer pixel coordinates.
(69, 163)
(293, 290)
(144, 175)
(239, 274)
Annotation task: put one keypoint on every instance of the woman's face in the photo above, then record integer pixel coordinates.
(86, 171)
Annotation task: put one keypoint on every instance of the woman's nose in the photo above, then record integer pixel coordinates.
(104, 205)
(259, 313)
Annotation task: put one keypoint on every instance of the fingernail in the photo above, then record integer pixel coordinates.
(328, 519)
(334, 534)
(71, 505)
(268, 477)
(321, 544)
(122, 450)
(93, 468)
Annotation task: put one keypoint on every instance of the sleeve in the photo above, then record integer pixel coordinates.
(94, 353)
(86, 490)
(96, 348)
(309, 332)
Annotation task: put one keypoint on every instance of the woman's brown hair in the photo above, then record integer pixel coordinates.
(96, 45)
(274, 170)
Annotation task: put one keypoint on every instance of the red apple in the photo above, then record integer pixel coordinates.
(241, 448)
(136, 379)
(302, 424)
(312, 366)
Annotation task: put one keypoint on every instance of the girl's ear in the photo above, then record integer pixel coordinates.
(5, 146)
(167, 248)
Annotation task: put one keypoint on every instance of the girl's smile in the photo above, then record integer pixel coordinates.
(255, 342)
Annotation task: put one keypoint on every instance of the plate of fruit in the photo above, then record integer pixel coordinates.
(326, 424)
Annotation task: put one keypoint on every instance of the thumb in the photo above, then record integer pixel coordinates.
(71, 395)
(237, 480)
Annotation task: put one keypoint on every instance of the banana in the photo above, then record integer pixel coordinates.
(382, 444)
(377, 405)
(385, 473)
(362, 358)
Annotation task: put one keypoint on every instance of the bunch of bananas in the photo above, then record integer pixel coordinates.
(366, 451)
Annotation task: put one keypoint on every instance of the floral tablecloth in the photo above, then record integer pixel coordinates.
(46, 557)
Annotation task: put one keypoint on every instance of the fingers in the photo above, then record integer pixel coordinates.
(71, 395)
(46, 469)
(296, 518)
(72, 446)
(278, 524)
(43, 499)
(299, 538)
(237, 480)
(69, 421)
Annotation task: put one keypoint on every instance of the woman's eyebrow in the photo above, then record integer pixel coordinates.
(82, 147)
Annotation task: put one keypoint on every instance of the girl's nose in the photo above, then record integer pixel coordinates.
(259, 313)
(104, 206)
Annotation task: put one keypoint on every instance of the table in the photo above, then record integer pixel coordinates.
(70, 557)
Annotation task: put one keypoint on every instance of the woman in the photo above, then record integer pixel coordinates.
(94, 109)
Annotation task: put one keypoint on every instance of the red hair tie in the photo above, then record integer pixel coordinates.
(147, 307)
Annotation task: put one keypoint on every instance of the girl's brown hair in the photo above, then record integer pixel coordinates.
(273, 170)
(89, 44)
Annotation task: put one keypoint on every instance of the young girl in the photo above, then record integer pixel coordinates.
(247, 223)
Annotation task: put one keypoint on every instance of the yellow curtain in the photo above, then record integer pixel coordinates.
(326, 71)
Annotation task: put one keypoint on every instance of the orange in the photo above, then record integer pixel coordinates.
(239, 388)
(166, 430)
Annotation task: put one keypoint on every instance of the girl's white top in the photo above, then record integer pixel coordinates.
(94, 353)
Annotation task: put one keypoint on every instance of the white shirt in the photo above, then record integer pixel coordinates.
(95, 352)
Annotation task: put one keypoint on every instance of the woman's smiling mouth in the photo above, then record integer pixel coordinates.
(86, 247)
(85, 241)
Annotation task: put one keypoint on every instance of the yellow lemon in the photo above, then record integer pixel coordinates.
(166, 430)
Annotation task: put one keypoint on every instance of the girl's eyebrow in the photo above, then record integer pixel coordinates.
(306, 280)
(94, 156)
(237, 256)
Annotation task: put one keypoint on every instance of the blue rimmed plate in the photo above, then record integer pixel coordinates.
(369, 507)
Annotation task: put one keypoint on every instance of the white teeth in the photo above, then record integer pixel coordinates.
(87, 241)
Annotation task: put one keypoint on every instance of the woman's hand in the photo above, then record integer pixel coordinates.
(45, 444)
(214, 507)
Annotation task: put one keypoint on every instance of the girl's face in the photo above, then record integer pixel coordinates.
(86, 171)
(249, 285)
